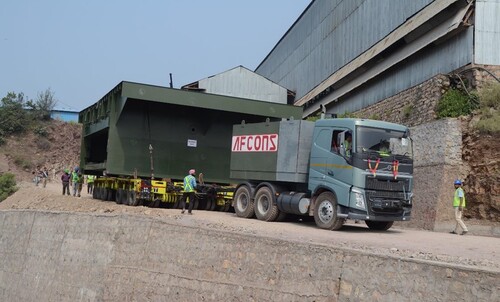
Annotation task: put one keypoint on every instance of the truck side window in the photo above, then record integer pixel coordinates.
(335, 141)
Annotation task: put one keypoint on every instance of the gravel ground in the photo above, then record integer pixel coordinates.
(474, 251)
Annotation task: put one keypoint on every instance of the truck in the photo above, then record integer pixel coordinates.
(256, 158)
(332, 169)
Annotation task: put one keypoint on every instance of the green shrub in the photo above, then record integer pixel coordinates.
(22, 162)
(41, 131)
(489, 100)
(347, 115)
(407, 110)
(7, 185)
(489, 124)
(455, 103)
(490, 96)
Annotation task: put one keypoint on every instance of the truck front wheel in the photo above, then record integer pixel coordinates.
(265, 207)
(325, 212)
(243, 203)
(379, 225)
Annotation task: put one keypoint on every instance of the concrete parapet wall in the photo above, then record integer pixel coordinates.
(48, 256)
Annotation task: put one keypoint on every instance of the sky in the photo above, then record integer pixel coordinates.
(82, 49)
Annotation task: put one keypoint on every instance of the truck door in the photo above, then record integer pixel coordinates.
(328, 167)
(338, 168)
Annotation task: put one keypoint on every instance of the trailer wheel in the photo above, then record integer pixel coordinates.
(132, 198)
(325, 212)
(243, 203)
(379, 225)
(111, 195)
(119, 196)
(213, 205)
(265, 207)
(227, 206)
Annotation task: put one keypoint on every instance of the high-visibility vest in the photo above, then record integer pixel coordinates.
(456, 199)
(74, 176)
(187, 183)
(90, 179)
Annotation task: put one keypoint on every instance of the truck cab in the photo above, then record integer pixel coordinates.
(360, 169)
(332, 169)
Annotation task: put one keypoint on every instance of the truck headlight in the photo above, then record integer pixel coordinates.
(359, 200)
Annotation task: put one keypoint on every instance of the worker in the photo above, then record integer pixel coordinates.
(75, 180)
(348, 144)
(90, 183)
(189, 191)
(458, 206)
(65, 179)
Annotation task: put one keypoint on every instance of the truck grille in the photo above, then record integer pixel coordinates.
(387, 184)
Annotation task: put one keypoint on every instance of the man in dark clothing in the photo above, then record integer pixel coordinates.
(65, 178)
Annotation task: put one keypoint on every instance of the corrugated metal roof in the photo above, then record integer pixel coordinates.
(330, 34)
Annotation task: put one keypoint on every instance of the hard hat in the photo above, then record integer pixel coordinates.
(458, 182)
(192, 171)
(66, 170)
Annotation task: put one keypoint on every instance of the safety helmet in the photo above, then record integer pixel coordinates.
(458, 182)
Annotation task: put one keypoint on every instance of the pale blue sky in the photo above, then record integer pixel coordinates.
(82, 49)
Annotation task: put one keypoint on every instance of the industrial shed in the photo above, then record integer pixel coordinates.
(153, 131)
(243, 83)
(350, 54)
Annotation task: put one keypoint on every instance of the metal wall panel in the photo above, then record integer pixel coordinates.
(329, 35)
(487, 32)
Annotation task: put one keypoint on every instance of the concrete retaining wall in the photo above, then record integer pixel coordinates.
(82, 257)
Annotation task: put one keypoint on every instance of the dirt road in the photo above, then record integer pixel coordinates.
(469, 250)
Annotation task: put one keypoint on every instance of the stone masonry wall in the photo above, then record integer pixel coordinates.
(437, 148)
(414, 106)
(47, 256)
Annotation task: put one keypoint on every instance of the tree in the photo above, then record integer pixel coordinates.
(13, 118)
(7, 185)
(44, 104)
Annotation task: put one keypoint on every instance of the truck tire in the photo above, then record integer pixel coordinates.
(379, 225)
(265, 207)
(325, 212)
(94, 193)
(243, 203)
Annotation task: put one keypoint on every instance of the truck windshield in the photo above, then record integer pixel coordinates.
(386, 142)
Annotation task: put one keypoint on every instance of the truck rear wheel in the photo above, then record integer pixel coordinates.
(243, 203)
(325, 212)
(265, 207)
(379, 225)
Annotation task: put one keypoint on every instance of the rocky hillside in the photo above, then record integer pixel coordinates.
(481, 155)
(54, 144)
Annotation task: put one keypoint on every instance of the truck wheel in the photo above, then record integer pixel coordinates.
(325, 212)
(265, 208)
(94, 193)
(243, 203)
(379, 225)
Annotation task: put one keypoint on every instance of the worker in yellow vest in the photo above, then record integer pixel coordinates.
(189, 191)
(458, 206)
(90, 183)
